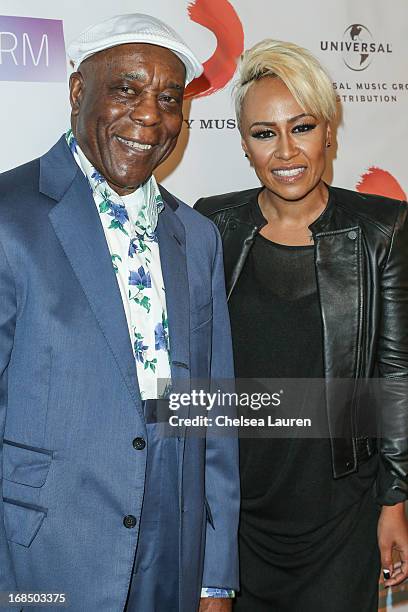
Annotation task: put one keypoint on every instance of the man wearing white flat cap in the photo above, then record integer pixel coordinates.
(109, 284)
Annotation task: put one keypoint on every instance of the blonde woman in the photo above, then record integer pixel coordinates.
(317, 279)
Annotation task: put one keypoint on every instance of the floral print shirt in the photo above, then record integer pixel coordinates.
(129, 223)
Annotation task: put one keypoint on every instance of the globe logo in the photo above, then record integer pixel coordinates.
(358, 46)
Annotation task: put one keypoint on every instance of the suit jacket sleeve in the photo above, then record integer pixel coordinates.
(7, 324)
(222, 475)
(392, 484)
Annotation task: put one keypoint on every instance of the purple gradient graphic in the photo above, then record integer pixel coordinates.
(32, 49)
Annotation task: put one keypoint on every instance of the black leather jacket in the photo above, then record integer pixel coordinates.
(361, 258)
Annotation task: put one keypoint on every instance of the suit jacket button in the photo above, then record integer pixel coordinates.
(130, 521)
(139, 443)
(352, 235)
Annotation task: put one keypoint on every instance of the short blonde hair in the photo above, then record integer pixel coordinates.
(301, 72)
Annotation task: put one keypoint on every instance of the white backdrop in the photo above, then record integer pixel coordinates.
(372, 83)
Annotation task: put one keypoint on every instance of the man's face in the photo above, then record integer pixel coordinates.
(127, 111)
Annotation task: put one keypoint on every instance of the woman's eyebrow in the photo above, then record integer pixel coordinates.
(291, 120)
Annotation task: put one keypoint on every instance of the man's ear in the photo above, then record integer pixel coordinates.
(76, 87)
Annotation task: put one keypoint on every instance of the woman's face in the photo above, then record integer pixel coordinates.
(285, 145)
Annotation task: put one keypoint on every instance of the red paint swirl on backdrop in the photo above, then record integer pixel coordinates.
(220, 17)
(380, 182)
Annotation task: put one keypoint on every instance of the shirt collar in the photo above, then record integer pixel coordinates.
(143, 205)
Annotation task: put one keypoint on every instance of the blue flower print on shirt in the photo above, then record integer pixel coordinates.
(140, 351)
(144, 233)
(152, 237)
(140, 347)
(161, 337)
(140, 278)
(97, 177)
(133, 247)
(137, 245)
(117, 211)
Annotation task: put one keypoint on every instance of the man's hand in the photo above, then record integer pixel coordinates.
(393, 538)
(215, 604)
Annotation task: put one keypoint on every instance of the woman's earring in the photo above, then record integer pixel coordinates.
(246, 155)
(328, 144)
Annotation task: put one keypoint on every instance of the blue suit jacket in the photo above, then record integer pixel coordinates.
(69, 400)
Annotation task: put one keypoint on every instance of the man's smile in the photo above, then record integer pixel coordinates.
(134, 144)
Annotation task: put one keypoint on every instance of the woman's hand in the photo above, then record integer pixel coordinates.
(393, 537)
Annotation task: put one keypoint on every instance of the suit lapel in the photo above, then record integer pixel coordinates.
(77, 225)
(172, 244)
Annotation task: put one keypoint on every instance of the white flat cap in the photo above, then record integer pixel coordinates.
(133, 28)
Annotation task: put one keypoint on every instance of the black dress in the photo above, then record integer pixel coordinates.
(307, 542)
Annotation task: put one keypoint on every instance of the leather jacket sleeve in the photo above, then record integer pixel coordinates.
(392, 360)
